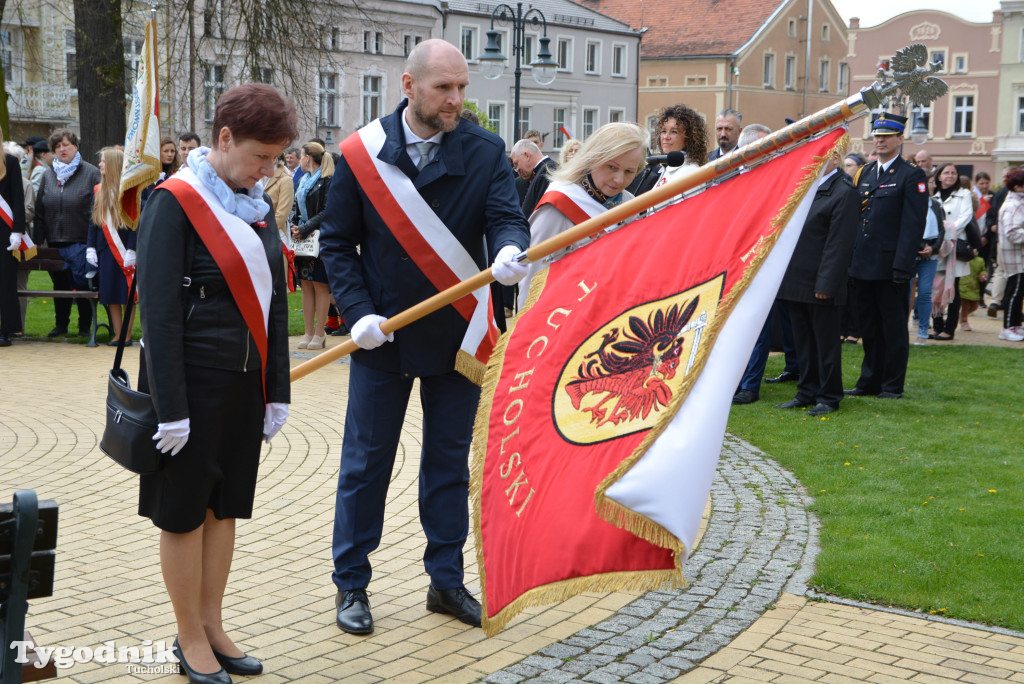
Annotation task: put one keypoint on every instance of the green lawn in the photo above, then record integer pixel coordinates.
(39, 316)
(920, 499)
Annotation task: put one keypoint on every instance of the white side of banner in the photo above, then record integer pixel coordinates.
(670, 484)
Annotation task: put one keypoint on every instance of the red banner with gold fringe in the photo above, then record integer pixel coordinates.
(604, 406)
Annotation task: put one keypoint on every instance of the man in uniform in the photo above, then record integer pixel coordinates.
(418, 195)
(894, 199)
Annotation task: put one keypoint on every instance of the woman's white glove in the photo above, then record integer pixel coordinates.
(366, 333)
(171, 436)
(273, 420)
(91, 256)
(505, 269)
(15, 242)
(129, 258)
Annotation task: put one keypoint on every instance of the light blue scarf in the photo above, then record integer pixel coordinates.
(66, 171)
(249, 207)
(305, 183)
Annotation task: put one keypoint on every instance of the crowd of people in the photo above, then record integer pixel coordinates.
(414, 197)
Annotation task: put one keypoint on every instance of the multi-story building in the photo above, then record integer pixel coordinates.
(768, 59)
(962, 125)
(596, 79)
(1008, 147)
(342, 72)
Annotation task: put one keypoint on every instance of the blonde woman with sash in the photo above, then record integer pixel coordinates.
(111, 244)
(591, 182)
(215, 322)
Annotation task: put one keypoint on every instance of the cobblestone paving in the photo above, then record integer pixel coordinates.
(759, 544)
(758, 536)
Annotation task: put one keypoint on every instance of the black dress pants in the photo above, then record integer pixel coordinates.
(10, 312)
(818, 352)
(63, 280)
(883, 307)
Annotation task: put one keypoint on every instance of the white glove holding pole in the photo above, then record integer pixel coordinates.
(91, 256)
(171, 437)
(129, 258)
(505, 269)
(366, 333)
(273, 420)
(15, 242)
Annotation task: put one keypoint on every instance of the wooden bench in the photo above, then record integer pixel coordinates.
(28, 537)
(49, 259)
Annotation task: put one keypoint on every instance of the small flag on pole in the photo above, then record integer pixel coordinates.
(565, 131)
(142, 141)
(604, 407)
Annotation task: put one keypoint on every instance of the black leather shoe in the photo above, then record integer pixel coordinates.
(218, 677)
(354, 611)
(857, 392)
(340, 332)
(890, 395)
(243, 665)
(5, 340)
(58, 332)
(458, 602)
(745, 397)
(820, 410)
(794, 403)
(784, 376)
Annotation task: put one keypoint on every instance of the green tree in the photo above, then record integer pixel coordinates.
(484, 120)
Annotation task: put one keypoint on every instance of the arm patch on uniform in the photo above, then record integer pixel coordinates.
(922, 187)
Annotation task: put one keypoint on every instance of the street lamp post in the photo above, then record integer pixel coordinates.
(492, 62)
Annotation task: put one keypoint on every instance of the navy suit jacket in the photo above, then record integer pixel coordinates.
(469, 186)
(821, 259)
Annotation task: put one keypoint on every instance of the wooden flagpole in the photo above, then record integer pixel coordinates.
(854, 106)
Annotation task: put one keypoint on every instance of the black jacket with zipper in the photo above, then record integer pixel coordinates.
(316, 202)
(201, 325)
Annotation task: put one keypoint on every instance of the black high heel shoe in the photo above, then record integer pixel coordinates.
(218, 677)
(243, 665)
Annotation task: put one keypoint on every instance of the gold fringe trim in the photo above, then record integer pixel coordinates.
(637, 523)
(608, 509)
(647, 580)
(467, 364)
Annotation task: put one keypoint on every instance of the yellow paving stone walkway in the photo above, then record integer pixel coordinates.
(280, 598)
(809, 641)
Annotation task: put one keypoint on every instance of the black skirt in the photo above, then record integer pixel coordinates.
(216, 469)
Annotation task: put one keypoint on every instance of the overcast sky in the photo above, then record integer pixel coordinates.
(873, 13)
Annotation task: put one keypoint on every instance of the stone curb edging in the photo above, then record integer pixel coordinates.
(759, 541)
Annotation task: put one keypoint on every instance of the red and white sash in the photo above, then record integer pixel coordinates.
(572, 200)
(117, 248)
(5, 213)
(426, 239)
(237, 249)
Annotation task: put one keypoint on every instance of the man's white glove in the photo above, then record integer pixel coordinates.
(366, 333)
(129, 258)
(505, 269)
(91, 256)
(15, 242)
(171, 436)
(273, 420)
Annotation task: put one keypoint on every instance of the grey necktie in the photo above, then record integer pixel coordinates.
(425, 149)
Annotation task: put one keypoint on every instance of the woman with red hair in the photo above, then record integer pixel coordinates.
(216, 355)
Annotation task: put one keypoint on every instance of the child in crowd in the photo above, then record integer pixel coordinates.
(970, 290)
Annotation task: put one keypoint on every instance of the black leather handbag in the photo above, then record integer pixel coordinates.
(131, 417)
